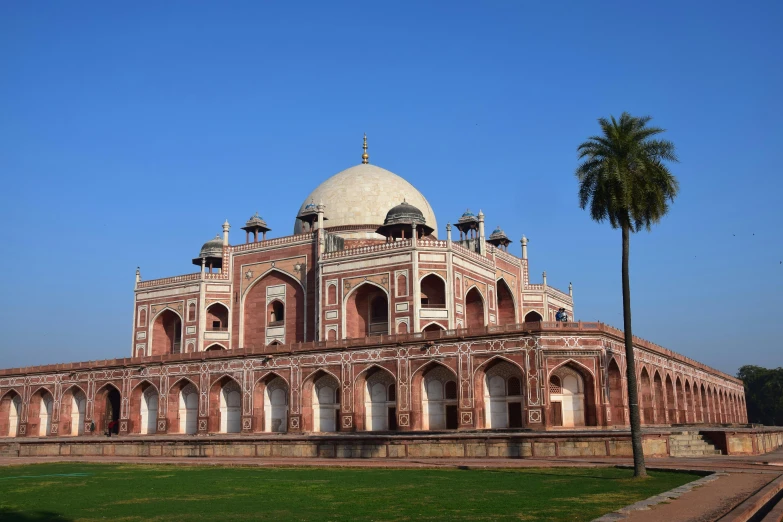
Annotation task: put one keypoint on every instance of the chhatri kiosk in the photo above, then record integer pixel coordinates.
(363, 319)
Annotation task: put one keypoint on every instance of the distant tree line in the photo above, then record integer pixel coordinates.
(763, 394)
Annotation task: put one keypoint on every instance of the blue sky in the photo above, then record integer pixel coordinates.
(129, 132)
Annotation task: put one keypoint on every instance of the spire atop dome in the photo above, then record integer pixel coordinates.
(365, 156)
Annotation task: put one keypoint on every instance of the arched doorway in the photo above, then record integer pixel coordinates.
(325, 403)
(366, 312)
(45, 415)
(276, 406)
(39, 416)
(506, 308)
(474, 309)
(106, 410)
(704, 415)
(167, 333)
(380, 396)
(660, 402)
(567, 397)
(72, 413)
(646, 392)
(217, 318)
(149, 411)
(225, 406)
(672, 405)
(533, 317)
(264, 322)
(503, 398)
(439, 399)
(184, 396)
(230, 408)
(433, 292)
(681, 405)
(10, 411)
(616, 402)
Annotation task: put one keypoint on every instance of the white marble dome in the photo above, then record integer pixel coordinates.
(362, 195)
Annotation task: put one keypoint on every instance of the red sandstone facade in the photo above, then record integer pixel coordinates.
(339, 328)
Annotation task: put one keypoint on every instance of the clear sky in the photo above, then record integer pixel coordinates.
(130, 131)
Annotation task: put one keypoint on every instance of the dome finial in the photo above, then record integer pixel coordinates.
(365, 156)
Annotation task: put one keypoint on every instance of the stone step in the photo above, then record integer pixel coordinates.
(696, 453)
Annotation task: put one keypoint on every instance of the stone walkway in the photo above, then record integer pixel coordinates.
(740, 477)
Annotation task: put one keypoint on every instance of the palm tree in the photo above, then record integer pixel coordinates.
(624, 180)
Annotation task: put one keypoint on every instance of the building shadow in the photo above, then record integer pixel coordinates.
(10, 515)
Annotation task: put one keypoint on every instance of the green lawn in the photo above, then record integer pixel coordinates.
(162, 492)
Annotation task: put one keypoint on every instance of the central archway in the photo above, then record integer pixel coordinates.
(503, 398)
(439, 399)
(225, 406)
(106, 410)
(166, 333)
(326, 403)
(270, 404)
(378, 399)
(366, 311)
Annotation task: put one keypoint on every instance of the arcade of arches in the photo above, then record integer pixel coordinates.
(387, 388)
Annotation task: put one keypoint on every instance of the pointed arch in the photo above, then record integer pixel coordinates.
(254, 327)
(321, 402)
(217, 317)
(373, 367)
(494, 360)
(40, 410)
(499, 388)
(433, 326)
(616, 392)
(180, 381)
(9, 391)
(507, 303)
(182, 406)
(679, 405)
(271, 397)
(435, 393)
(586, 402)
(10, 413)
(224, 405)
(215, 347)
(432, 290)
(533, 316)
(166, 332)
(145, 400)
(358, 303)
(475, 308)
(374, 399)
(573, 362)
(646, 395)
(73, 410)
(273, 374)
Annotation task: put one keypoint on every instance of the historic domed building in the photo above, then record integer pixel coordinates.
(365, 319)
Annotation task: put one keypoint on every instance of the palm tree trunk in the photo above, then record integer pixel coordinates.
(639, 469)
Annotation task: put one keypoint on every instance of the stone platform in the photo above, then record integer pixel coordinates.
(463, 444)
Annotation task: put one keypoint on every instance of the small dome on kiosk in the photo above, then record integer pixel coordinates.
(211, 253)
(255, 225)
(401, 218)
(499, 238)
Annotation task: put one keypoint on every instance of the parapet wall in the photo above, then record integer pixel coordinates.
(393, 446)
